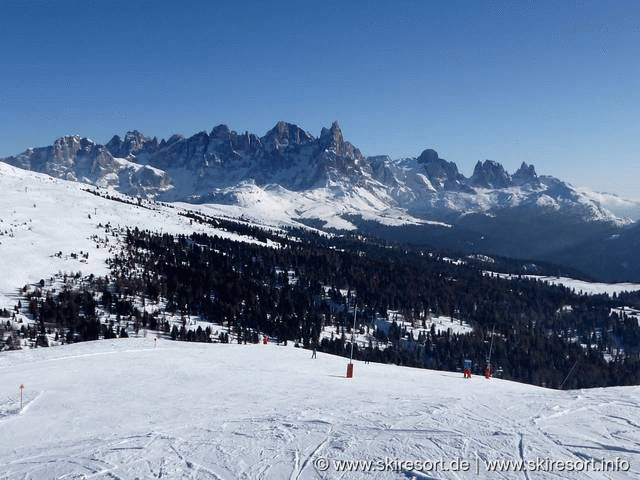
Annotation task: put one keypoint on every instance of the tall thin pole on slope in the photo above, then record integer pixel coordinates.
(491, 346)
(487, 370)
(353, 332)
(567, 377)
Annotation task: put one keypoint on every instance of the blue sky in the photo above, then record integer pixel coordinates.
(556, 84)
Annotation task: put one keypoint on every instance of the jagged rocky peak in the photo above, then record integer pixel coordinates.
(428, 156)
(490, 174)
(134, 138)
(70, 157)
(331, 140)
(526, 174)
(221, 132)
(73, 141)
(442, 174)
(134, 142)
(285, 134)
(68, 149)
(246, 141)
(225, 140)
(332, 137)
(175, 138)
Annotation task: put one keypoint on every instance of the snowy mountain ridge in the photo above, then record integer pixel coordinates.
(292, 166)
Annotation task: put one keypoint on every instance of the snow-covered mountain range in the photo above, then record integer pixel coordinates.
(288, 174)
(289, 163)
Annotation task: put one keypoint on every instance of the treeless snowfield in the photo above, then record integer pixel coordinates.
(580, 286)
(129, 409)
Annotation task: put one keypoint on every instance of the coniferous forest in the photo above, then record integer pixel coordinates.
(293, 286)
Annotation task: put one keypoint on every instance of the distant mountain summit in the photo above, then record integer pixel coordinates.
(443, 175)
(526, 174)
(284, 135)
(133, 143)
(490, 174)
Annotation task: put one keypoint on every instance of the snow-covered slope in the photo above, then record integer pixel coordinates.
(49, 225)
(130, 409)
(580, 286)
(330, 206)
(622, 207)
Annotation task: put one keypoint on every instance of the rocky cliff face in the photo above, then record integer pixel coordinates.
(71, 158)
(525, 175)
(490, 174)
(286, 155)
(283, 136)
(443, 175)
(80, 159)
(134, 142)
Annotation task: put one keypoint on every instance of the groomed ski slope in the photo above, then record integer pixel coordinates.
(129, 409)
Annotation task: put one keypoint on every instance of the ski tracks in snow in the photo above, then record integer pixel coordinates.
(275, 416)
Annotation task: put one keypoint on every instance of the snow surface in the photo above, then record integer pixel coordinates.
(625, 208)
(273, 204)
(129, 409)
(580, 286)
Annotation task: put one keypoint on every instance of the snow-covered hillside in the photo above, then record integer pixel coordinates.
(622, 207)
(130, 409)
(580, 286)
(330, 206)
(49, 226)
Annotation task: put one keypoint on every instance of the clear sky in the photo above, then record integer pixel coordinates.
(556, 84)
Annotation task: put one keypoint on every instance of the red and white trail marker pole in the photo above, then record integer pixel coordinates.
(21, 390)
